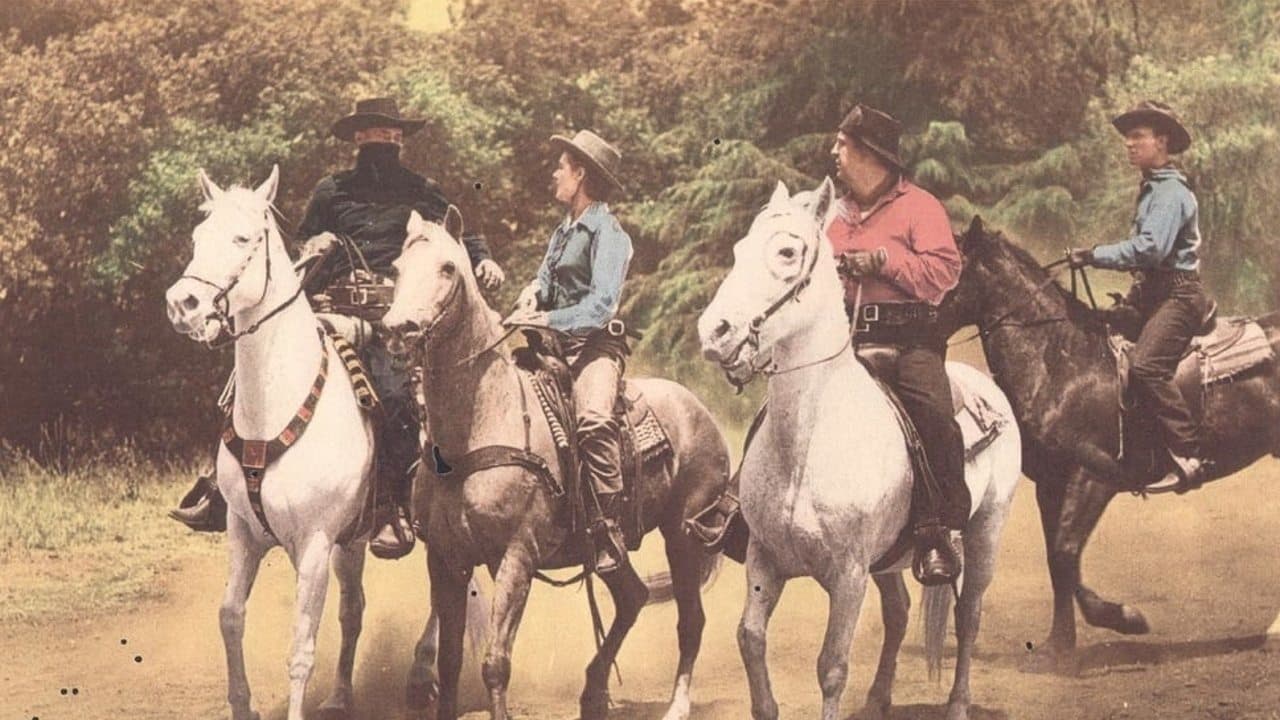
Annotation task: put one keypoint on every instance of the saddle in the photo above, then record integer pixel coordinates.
(721, 525)
(1226, 349)
(644, 445)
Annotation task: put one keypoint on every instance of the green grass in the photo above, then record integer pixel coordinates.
(92, 536)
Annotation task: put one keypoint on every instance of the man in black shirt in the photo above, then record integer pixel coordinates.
(365, 210)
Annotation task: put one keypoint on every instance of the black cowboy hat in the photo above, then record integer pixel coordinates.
(591, 149)
(1157, 116)
(875, 129)
(374, 112)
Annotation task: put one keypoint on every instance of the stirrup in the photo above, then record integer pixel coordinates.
(404, 540)
(606, 542)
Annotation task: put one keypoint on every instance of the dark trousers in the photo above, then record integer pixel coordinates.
(397, 441)
(919, 377)
(1174, 313)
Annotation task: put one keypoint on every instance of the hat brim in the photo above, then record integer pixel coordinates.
(1179, 137)
(565, 143)
(345, 128)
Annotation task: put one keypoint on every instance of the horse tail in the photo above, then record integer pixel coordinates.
(662, 590)
(937, 608)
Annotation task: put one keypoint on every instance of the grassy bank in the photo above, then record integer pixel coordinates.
(88, 537)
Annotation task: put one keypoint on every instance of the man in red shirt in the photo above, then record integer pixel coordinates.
(899, 259)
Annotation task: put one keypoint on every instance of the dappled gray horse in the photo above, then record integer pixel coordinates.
(506, 517)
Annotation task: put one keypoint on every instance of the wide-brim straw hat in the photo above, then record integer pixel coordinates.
(592, 150)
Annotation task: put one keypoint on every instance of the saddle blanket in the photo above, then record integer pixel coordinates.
(1234, 346)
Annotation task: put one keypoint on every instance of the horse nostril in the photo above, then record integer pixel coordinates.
(190, 302)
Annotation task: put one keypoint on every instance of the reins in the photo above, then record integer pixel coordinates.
(999, 322)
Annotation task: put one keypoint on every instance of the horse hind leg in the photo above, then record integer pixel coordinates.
(895, 609)
(312, 565)
(687, 560)
(348, 565)
(246, 557)
(629, 595)
(981, 545)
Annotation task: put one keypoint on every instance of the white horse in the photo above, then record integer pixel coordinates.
(826, 483)
(240, 283)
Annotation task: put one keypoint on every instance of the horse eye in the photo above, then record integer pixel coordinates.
(788, 253)
(241, 240)
(448, 268)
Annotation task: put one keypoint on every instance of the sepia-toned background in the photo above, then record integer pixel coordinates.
(108, 107)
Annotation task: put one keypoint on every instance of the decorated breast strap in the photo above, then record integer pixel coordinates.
(255, 455)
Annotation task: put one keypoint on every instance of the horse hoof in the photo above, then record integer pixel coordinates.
(420, 700)
(875, 710)
(595, 707)
(957, 711)
(1132, 622)
(333, 712)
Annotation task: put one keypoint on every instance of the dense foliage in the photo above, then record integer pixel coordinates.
(109, 106)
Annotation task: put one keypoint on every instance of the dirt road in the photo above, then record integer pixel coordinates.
(1203, 569)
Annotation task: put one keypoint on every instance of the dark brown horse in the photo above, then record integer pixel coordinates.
(1048, 352)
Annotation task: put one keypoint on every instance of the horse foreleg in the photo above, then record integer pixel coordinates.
(895, 610)
(348, 565)
(449, 599)
(422, 689)
(845, 594)
(687, 561)
(312, 565)
(764, 588)
(1086, 500)
(246, 555)
(1049, 497)
(629, 596)
(512, 583)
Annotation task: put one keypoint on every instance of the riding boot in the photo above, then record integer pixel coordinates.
(939, 555)
(397, 450)
(1188, 473)
(203, 508)
(609, 550)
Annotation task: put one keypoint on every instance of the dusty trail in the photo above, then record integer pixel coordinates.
(1201, 567)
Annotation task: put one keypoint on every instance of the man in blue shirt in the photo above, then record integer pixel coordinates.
(576, 291)
(1163, 248)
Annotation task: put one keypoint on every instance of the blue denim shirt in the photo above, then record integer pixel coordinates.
(580, 281)
(1166, 228)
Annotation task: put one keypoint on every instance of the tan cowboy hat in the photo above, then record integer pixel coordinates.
(1158, 116)
(878, 130)
(374, 112)
(590, 148)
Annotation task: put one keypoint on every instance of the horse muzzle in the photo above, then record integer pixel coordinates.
(191, 312)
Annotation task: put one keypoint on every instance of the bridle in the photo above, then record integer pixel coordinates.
(420, 338)
(222, 305)
(792, 293)
(1004, 319)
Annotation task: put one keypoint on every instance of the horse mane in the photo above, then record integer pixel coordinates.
(1081, 315)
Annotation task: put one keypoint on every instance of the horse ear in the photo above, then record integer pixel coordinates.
(822, 203)
(208, 187)
(976, 225)
(267, 190)
(416, 224)
(453, 222)
(780, 194)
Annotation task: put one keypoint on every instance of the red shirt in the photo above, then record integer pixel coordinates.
(911, 225)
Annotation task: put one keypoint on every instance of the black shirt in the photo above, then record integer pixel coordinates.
(370, 204)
